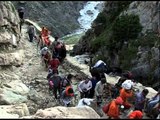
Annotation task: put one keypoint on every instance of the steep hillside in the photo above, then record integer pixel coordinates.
(125, 34)
(59, 16)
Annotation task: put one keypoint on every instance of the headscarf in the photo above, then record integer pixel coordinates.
(127, 84)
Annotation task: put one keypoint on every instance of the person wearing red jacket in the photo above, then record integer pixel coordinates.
(137, 114)
(54, 64)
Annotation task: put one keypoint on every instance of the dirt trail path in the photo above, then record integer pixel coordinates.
(34, 74)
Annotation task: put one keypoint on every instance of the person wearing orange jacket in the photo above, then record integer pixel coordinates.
(137, 114)
(125, 93)
(45, 36)
(114, 111)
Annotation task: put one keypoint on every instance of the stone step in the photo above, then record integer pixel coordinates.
(14, 58)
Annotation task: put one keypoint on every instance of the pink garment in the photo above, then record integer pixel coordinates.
(51, 83)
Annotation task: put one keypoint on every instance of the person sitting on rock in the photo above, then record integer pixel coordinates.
(113, 108)
(140, 99)
(46, 56)
(84, 88)
(126, 93)
(152, 102)
(54, 64)
(137, 114)
(54, 84)
(99, 90)
(67, 96)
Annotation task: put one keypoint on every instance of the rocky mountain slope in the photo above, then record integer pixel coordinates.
(23, 84)
(139, 54)
(56, 15)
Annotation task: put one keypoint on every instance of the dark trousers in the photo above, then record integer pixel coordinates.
(31, 36)
(138, 109)
(84, 94)
(99, 100)
(55, 89)
(91, 94)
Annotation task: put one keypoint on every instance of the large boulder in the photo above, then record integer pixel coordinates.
(15, 58)
(13, 92)
(65, 112)
(17, 87)
(13, 111)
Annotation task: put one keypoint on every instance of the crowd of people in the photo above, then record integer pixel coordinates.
(121, 96)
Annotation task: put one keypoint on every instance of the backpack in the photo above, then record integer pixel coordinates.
(105, 108)
(63, 79)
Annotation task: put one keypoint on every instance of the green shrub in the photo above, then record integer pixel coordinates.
(117, 8)
(126, 27)
(102, 39)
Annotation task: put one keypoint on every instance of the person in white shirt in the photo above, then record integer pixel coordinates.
(44, 51)
(99, 90)
(84, 88)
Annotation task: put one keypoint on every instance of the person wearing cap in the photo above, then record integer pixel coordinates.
(114, 110)
(99, 90)
(67, 96)
(137, 114)
(126, 92)
(140, 99)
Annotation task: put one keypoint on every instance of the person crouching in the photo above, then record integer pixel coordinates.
(67, 96)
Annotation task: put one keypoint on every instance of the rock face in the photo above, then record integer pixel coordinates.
(9, 34)
(9, 21)
(65, 112)
(53, 14)
(148, 14)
